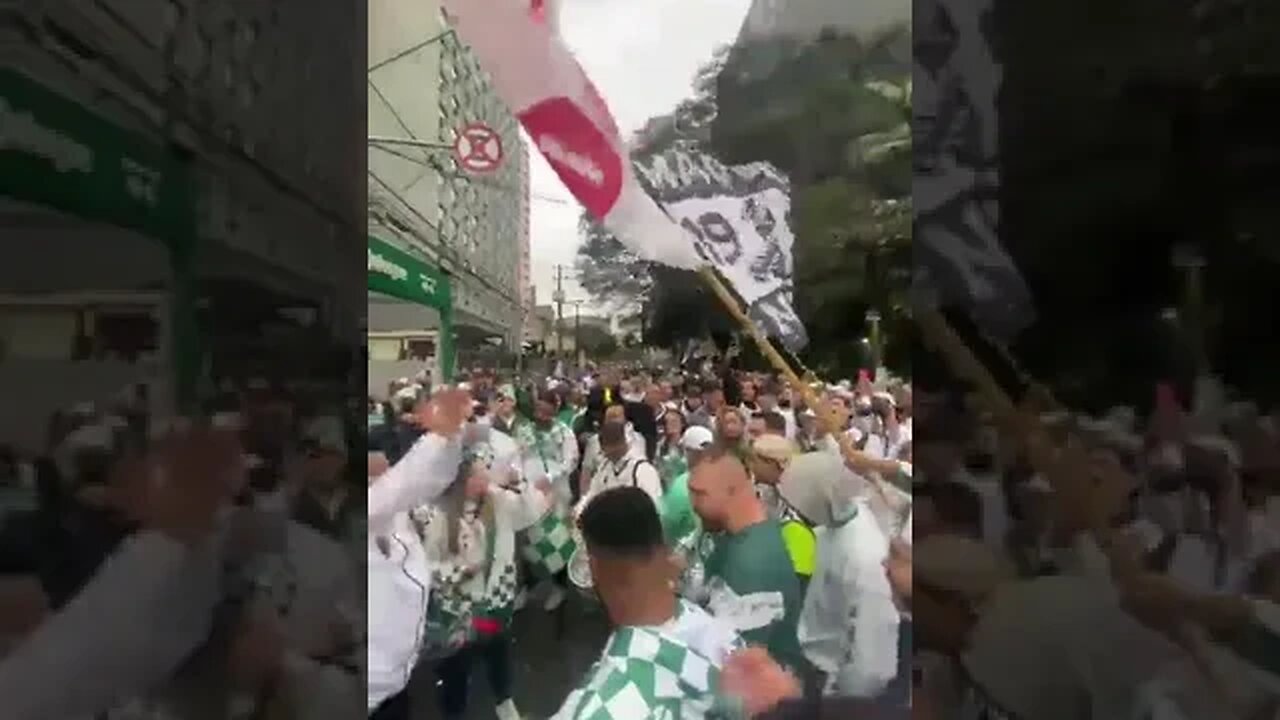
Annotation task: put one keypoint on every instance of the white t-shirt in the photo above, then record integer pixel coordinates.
(628, 471)
(592, 457)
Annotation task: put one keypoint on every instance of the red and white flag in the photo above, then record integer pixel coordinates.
(537, 76)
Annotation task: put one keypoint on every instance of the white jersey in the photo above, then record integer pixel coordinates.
(630, 470)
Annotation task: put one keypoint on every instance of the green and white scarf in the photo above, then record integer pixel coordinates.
(548, 544)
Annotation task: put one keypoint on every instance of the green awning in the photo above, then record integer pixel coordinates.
(396, 273)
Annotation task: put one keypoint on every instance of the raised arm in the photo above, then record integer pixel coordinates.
(429, 466)
(418, 479)
(145, 611)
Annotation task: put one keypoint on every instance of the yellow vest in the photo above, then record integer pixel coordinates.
(802, 546)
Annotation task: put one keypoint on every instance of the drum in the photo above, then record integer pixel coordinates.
(549, 544)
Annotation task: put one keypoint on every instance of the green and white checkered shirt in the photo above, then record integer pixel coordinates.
(550, 446)
(648, 674)
(549, 544)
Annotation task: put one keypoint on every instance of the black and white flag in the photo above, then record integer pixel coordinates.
(955, 190)
(738, 218)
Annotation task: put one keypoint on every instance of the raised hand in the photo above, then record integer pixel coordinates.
(757, 680)
(177, 486)
(445, 412)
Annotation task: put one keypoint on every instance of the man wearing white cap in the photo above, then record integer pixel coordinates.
(679, 521)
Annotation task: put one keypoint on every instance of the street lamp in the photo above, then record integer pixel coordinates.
(558, 298)
(1188, 260)
(873, 341)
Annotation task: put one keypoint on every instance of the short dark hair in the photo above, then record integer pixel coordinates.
(612, 433)
(549, 397)
(622, 521)
(774, 422)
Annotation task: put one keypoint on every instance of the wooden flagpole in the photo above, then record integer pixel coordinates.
(829, 420)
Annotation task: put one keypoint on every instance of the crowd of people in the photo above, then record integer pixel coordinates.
(181, 569)
(1070, 565)
(750, 563)
(761, 549)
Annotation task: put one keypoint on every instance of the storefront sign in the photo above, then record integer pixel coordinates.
(395, 272)
(54, 152)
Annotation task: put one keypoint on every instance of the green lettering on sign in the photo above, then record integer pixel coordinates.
(54, 152)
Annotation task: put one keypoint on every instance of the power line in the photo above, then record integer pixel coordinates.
(379, 142)
(409, 51)
(448, 250)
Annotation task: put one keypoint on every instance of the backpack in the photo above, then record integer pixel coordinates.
(635, 480)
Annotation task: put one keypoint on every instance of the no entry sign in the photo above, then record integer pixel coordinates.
(478, 148)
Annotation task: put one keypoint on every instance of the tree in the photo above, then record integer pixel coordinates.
(851, 210)
(676, 307)
(595, 341)
(610, 273)
(789, 103)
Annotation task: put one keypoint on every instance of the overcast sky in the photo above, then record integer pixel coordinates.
(642, 55)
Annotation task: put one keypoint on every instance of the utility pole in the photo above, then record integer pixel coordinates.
(558, 297)
(577, 329)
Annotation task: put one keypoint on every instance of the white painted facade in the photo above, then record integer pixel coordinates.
(423, 86)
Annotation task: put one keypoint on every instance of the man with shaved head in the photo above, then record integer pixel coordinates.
(750, 581)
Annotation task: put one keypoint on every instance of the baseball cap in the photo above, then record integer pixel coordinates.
(775, 448)
(697, 438)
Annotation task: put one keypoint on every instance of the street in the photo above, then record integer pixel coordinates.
(548, 663)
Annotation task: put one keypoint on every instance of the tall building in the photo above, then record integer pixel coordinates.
(524, 272)
(143, 132)
(425, 88)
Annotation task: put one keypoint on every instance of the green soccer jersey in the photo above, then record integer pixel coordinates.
(678, 518)
(751, 583)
